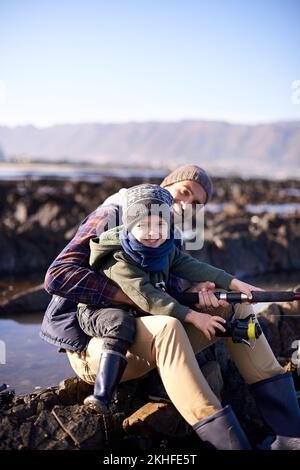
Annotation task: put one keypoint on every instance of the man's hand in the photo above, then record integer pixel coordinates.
(121, 298)
(243, 287)
(207, 299)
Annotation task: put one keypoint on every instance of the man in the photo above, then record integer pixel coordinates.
(72, 281)
(70, 276)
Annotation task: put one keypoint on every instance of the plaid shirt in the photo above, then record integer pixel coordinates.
(71, 277)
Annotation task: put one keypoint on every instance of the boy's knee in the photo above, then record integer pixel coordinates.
(171, 324)
(123, 325)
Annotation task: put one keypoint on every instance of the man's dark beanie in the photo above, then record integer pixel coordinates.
(145, 199)
(192, 173)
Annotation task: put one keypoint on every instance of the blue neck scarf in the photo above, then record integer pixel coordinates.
(152, 259)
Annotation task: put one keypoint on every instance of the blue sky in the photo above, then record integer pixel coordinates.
(126, 60)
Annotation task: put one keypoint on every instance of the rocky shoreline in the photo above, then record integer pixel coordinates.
(55, 418)
(38, 218)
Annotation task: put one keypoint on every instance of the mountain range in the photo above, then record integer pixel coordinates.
(260, 149)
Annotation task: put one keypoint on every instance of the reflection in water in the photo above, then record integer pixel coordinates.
(30, 361)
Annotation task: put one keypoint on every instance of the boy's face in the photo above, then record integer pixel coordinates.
(152, 231)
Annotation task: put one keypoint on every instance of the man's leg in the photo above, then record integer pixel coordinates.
(160, 342)
(272, 388)
(257, 363)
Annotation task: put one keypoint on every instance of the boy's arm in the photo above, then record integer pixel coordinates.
(189, 268)
(136, 284)
(71, 277)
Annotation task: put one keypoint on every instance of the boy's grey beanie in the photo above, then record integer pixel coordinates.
(137, 201)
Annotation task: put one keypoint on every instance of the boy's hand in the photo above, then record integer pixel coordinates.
(243, 287)
(205, 323)
(207, 299)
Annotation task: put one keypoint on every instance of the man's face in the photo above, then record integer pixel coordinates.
(186, 195)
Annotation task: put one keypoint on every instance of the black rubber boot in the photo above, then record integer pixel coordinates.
(277, 401)
(111, 369)
(222, 431)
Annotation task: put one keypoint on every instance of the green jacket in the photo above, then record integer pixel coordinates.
(108, 258)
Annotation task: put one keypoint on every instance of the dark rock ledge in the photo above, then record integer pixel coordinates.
(55, 418)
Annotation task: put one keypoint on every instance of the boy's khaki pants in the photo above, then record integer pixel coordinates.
(164, 342)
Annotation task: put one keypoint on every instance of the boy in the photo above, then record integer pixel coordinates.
(138, 257)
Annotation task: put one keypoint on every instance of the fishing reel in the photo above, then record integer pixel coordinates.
(242, 330)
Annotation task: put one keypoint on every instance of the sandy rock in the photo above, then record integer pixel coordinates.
(87, 428)
(155, 418)
(33, 299)
(73, 390)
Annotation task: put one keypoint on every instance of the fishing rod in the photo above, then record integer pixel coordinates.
(259, 296)
(191, 298)
(247, 329)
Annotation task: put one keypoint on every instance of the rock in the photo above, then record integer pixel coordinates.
(288, 336)
(155, 418)
(87, 428)
(10, 437)
(33, 299)
(48, 398)
(6, 398)
(128, 398)
(39, 217)
(25, 433)
(73, 390)
(47, 434)
(22, 412)
(281, 326)
(291, 308)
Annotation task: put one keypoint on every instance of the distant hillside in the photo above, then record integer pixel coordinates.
(266, 148)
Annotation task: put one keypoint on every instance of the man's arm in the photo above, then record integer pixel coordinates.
(70, 276)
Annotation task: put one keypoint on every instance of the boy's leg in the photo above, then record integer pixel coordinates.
(117, 327)
(161, 342)
(114, 325)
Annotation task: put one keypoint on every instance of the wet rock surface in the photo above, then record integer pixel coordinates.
(55, 418)
(245, 244)
(38, 218)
